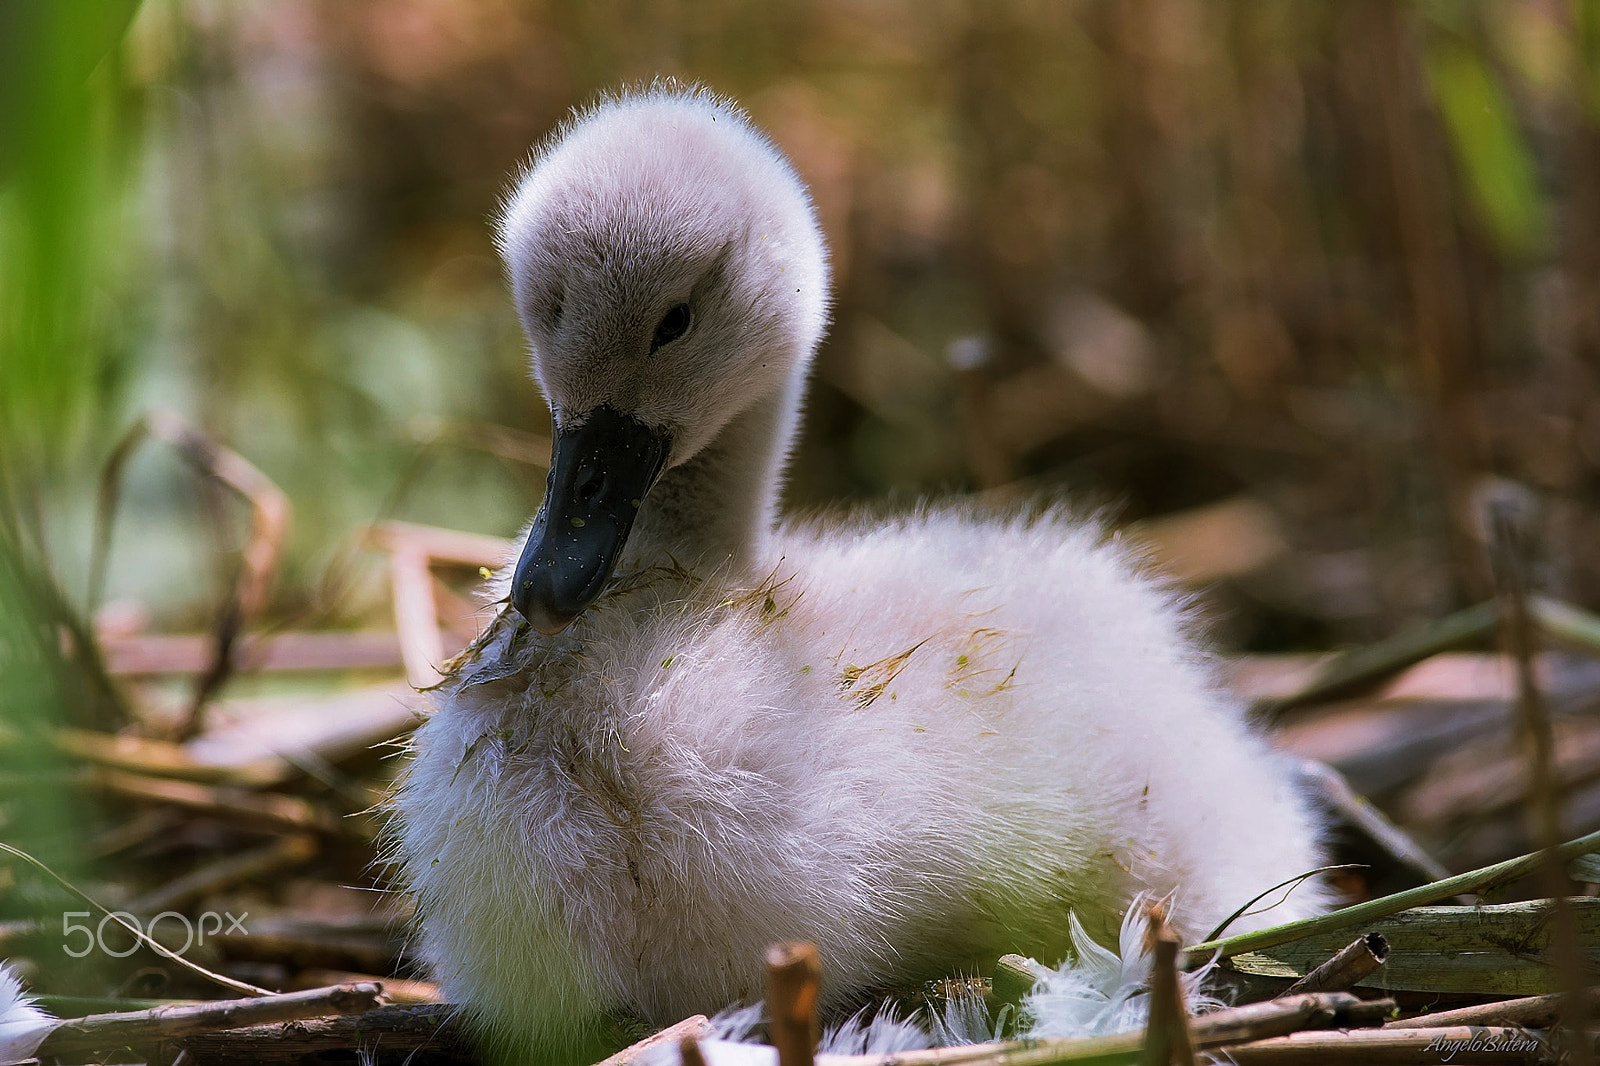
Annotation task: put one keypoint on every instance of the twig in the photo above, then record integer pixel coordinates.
(229, 870)
(416, 616)
(390, 1028)
(100, 1031)
(1478, 880)
(397, 990)
(413, 550)
(1356, 961)
(1565, 624)
(1401, 1047)
(695, 1027)
(450, 547)
(152, 758)
(1529, 1012)
(1346, 803)
(269, 523)
(1359, 667)
(1015, 977)
(1167, 1038)
(1538, 744)
(1500, 949)
(147, 654)
(290, 812)
(689, 1052)
(794, 978)
(1288, 1014)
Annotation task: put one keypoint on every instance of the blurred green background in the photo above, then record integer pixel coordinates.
(1335, 262)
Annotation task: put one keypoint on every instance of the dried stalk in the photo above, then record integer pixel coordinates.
(1565, 624)
(1167, 1038)
(794, 979)
(1478, 880)
(1503, 949)
(103, 1031)
(133, 930)
(413, 550)
(227, 871)
(1360, 667)
(689, 1052)
(269, 808)
(154, 654)
(1355, 809)
(1356, 961)
(1401, 1047)
(1529, 1012)
(1538, 744)
(389, 1028)
(693, 1028)
(269, 523)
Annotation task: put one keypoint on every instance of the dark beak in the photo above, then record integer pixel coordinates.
(601, 470)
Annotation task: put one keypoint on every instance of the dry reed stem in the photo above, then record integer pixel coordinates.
(391, 1029)
(154, 654)
(1354, 962)
(1529, 1012)
(1402, 1047)
(692, 1028)
(413, 551)
(288, 851)
(1478, 880)
(689, 1052)
(132, 929)
(269, 525)
(1538, 745)
(1359, 667)
(794, 979)
(449, 547)
(416, 616)
(105, 1031)
(289, 812)
(1359, 812)
(1167, 1037)
(399, 991)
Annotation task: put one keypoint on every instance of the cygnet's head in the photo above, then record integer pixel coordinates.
(669, 273)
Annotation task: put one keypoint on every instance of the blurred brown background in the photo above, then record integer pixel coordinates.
(1328, 266)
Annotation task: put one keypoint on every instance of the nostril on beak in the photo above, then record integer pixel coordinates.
(590, 481)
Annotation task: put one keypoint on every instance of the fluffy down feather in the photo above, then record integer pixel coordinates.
(22, 1025)
(1095, 992)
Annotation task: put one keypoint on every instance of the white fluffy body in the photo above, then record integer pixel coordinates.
(920, 743)
(22, 1025)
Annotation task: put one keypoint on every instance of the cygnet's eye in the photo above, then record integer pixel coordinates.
(674, 324)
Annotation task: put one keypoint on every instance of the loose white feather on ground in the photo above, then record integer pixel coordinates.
(23, 1026)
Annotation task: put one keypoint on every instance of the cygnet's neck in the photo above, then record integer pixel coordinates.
(718, 508)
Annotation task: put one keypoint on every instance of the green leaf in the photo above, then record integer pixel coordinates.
(1489, 148)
